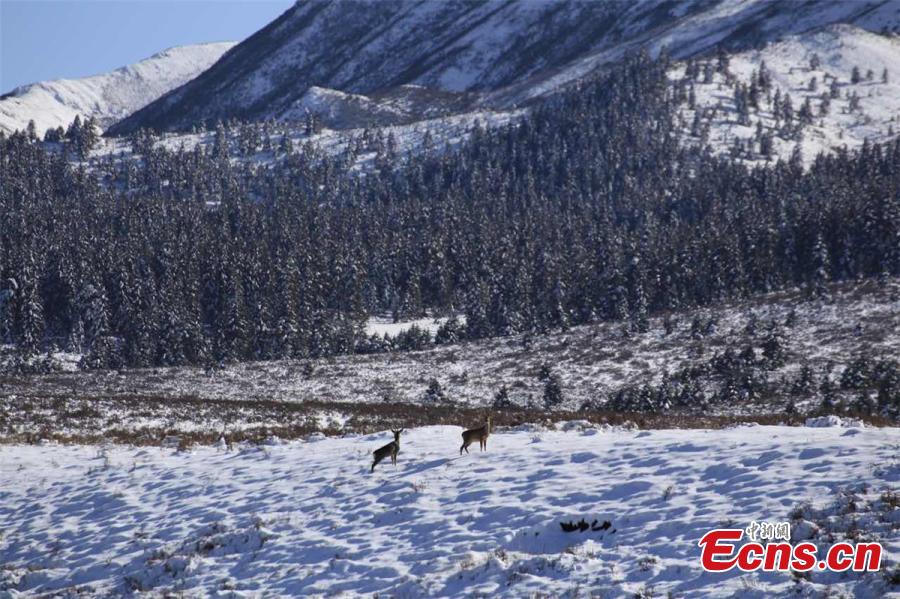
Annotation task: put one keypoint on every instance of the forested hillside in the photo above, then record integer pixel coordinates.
(586, 209)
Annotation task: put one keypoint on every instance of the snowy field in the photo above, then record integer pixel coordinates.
(306, 518)
(384, 325)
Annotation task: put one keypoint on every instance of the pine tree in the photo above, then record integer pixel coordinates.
(773, 349)
(638, 300)
(553, 395)
(815, 62)
(820, 267)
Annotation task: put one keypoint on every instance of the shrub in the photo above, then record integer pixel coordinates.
(773, 350)
(434, 393)
(451, 331)
(501, 399)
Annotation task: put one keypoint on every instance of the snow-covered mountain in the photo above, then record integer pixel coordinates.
(711, 117)
(107, 97)
(500, 52)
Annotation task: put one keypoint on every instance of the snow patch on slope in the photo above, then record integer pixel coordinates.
(339, 109)
(109, 96)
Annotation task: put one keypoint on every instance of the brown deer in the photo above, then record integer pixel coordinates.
(480, 434)
(391, 449)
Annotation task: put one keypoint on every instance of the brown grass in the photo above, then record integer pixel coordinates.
(296, 420)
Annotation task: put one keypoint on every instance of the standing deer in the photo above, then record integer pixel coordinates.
(391, 449)
(480, 434)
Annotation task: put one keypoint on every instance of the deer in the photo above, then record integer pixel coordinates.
(391, 449)
(480, 434)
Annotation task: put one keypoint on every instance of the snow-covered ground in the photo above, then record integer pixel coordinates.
(306, 518)
(107, 96)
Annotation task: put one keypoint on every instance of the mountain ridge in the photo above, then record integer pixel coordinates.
(504, 52)
(107, 96)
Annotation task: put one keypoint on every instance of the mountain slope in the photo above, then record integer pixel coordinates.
(408, 110)
(853, 112)
(507, 51)
(733, 25)
(107, 97)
